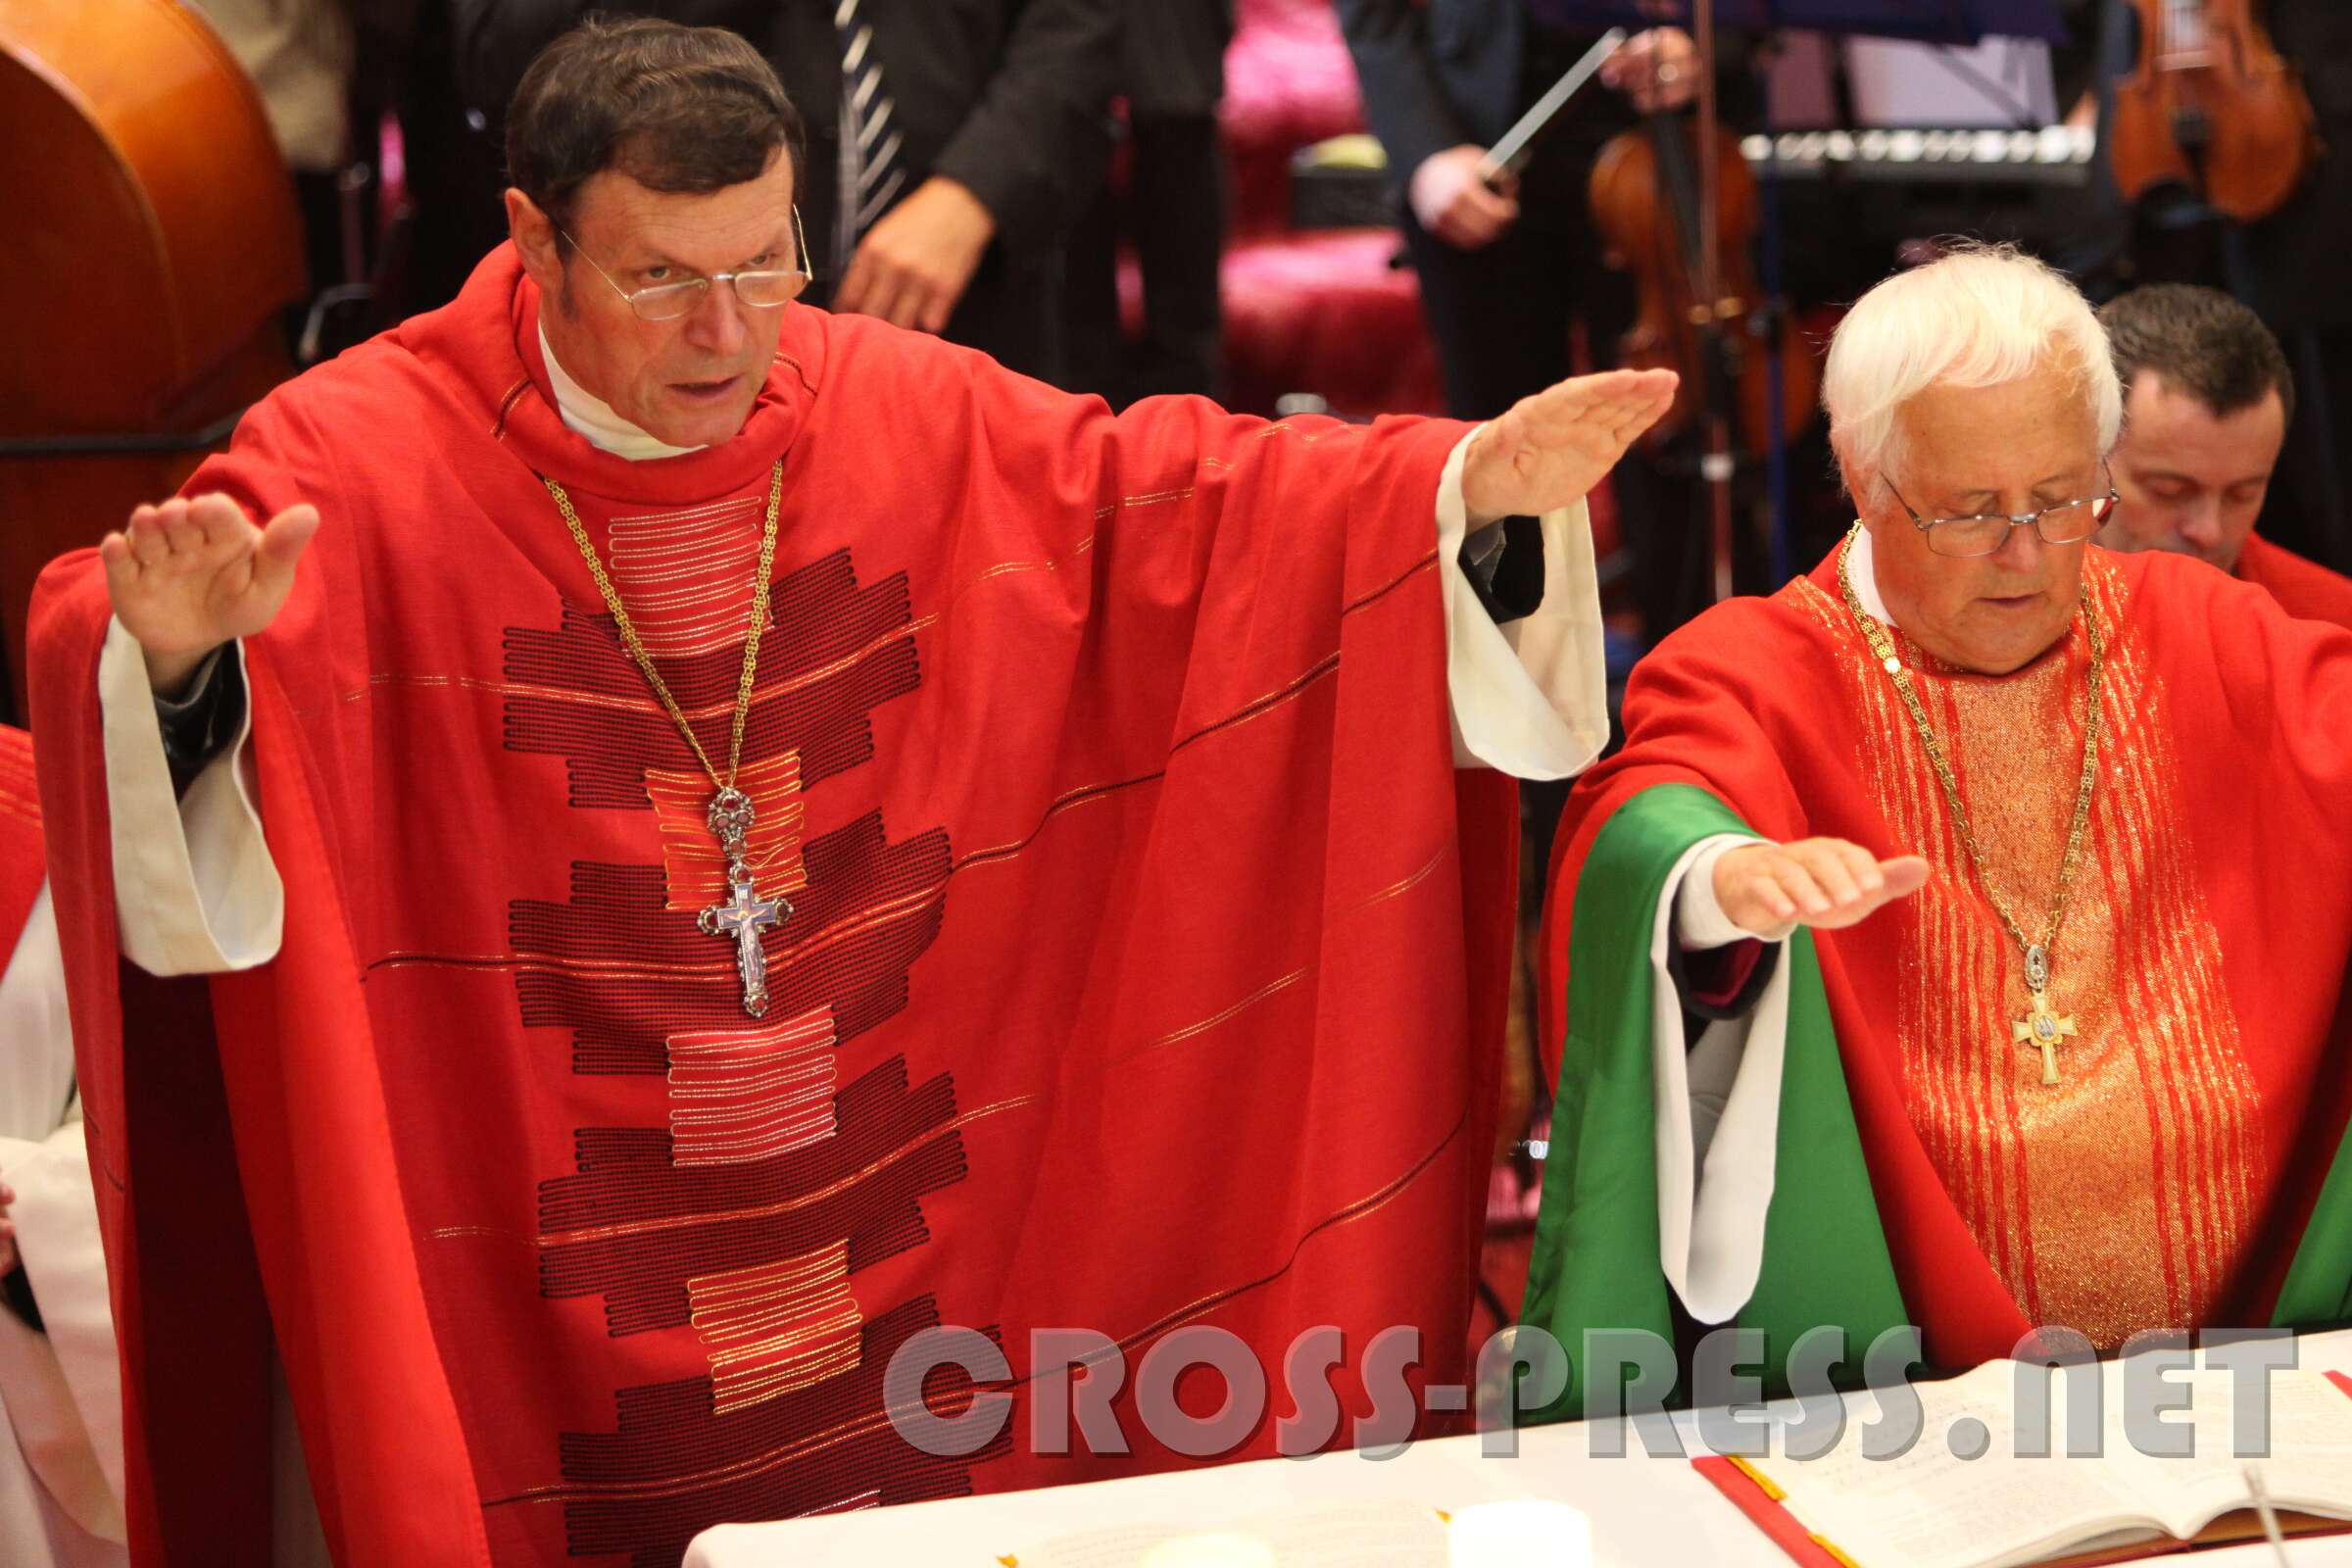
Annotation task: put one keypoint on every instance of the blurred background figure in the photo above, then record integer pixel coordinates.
(2208, 399)
(1166, 199)
(60, 1404)
(300, 55)
(947, 145)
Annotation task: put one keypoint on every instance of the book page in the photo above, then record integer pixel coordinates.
(1354, 1534)
(1350, 1534)
(1112, 1546)
(1931, 1509)
(2308, 1466)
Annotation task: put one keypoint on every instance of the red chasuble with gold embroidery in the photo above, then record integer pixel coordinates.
(1141, 966)
(2179, 1172)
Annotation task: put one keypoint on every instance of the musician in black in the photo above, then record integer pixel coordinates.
(1507, 276)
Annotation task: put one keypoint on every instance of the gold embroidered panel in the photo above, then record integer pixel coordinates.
(2121, 1197)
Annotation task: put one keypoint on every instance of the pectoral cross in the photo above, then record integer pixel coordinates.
(746, 913)
(2044, 1029)
(743, 918)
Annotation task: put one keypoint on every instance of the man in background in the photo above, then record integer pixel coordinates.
(2209, 398)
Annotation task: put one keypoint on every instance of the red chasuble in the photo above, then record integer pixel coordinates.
(2304, 589)
(2171, 1177)
(1143, 965)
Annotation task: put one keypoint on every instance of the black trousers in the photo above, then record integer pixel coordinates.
(1174, 210)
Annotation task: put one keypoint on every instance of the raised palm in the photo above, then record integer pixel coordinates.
(1554, 449)
(194, 572)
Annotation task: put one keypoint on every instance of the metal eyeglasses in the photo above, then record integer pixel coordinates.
(2066, 523)
(763, 288)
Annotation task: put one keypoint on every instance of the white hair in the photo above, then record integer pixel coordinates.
(1983, 316)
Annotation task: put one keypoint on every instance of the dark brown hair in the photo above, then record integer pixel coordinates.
(2201, 342)
(676, 109)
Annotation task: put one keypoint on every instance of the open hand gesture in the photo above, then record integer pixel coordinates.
(1552, 449)
(1823, 883)
(193, 573)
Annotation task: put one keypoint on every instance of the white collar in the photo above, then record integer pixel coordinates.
(1863, 574)
(593, 418)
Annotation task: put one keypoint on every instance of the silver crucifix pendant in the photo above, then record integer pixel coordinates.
(745, 914)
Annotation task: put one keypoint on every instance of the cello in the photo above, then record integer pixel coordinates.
(2210, 105)
(153, 242)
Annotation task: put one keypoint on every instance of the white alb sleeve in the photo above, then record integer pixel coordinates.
(1718, 1118)
(195, 889)
(1531, 698)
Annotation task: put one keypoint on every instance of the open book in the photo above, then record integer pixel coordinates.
(1355, 1534)
(1933, 1508)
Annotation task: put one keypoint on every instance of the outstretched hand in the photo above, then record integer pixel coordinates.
(194, 572)
(1823, 883)
(1552, 449)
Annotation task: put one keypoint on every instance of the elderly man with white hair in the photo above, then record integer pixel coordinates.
(1959, 940)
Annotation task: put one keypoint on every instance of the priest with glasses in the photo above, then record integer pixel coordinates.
(1959, 940)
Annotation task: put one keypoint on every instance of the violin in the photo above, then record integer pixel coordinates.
(153, 242)
(1644, 195)
(2211, 106)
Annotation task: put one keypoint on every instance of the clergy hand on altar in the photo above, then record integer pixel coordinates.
(1552, 449)
(194, 572)
(916, 260)
(1823, 883)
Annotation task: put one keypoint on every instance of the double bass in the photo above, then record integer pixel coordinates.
(153, 244)
(2211, 106)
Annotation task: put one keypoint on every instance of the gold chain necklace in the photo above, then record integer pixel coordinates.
(2041, 1028)
(745, 914)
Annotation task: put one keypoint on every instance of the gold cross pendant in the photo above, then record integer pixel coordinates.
(2044, 1029)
